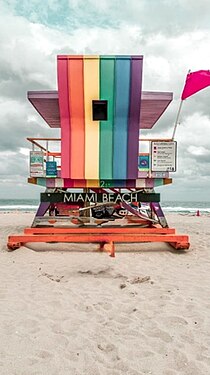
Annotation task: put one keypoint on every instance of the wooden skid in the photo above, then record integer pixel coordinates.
(106, 237)
(107, 230)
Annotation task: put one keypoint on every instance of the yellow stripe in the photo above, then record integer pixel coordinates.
(93, 183)
(91, 92)
(140, 183)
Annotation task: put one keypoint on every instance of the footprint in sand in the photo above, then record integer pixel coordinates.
(107, 348)
(105, 305)
(52, 277)
(182, 364)
(31, 325)
(44, 354)
(162, 335)
(101, 273)
(139, 280)
(175, 320)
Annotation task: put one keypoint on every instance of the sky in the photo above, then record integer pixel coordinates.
(173, 36)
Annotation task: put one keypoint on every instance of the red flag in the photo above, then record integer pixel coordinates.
(195, 82)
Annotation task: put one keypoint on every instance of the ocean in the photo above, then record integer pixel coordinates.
(187, 207)
(19, 204)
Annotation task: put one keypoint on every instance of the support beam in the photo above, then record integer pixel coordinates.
(108, 230)
(180, 241)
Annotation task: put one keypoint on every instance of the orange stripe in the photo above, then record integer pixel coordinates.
(76, 104)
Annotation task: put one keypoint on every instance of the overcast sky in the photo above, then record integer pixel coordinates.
(173, 36)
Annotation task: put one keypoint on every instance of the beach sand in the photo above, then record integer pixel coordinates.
(147, 311)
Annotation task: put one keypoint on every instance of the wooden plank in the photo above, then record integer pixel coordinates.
(63, 96)
(122, 101)
(180, 245)
(92, 238)
(107, 66)
(76, 105)
(134, 116)
(128, 230)
(91, 92)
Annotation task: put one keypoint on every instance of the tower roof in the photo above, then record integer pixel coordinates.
(153, 105)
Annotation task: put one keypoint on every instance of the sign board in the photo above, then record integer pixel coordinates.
(99, 197)
(143, 162)
(163, 156)
(51, 169)
(37, 164)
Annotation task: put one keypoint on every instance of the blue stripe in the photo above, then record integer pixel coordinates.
(122, 100)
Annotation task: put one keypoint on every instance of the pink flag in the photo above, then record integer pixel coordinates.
(195, 82)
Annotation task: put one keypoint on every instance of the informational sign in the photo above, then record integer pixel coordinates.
(163, 156)
(37, 164)
(143, 163)
(51, 169)
(99, 197)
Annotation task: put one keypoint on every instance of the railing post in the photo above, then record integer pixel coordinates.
(47, 156)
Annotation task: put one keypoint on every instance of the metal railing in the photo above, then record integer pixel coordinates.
(42, 152)
(51, 153)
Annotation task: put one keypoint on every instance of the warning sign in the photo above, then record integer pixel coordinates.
(37, 164)
(163, 156)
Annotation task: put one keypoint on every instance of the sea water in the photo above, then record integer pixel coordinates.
(187, 207)
(19, 204)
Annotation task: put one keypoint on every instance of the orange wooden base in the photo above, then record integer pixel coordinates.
(97, 230)
(106, 237)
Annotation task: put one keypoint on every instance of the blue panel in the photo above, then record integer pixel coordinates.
(51, 169)
(122, 101)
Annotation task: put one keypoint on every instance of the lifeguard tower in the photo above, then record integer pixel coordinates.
(100, 181)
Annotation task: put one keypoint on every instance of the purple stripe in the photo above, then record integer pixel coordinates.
(131, 183)
(43, 207)
(134, 117)
(150, 182)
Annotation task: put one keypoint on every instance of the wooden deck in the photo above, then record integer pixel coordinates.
(105, 237)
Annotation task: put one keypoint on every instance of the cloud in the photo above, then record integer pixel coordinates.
(181, 15)
(33, 33)
(172, 17)
(18, 121)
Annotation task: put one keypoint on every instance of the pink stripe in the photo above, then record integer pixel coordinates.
(149, 182)
(63, 97)
(50, 182)
(74, 183)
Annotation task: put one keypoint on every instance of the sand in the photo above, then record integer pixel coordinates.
(70, 312)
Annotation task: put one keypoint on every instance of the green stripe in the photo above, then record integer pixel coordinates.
(113, 183)
(107, 183)
(41, 181)
(158, 182)
(106, 127)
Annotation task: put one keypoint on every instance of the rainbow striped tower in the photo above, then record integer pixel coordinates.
(99, 102)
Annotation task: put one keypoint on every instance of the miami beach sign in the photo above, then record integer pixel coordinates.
(99, 197)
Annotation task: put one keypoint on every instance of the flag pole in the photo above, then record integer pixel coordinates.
(178, 113)
(177, 118)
